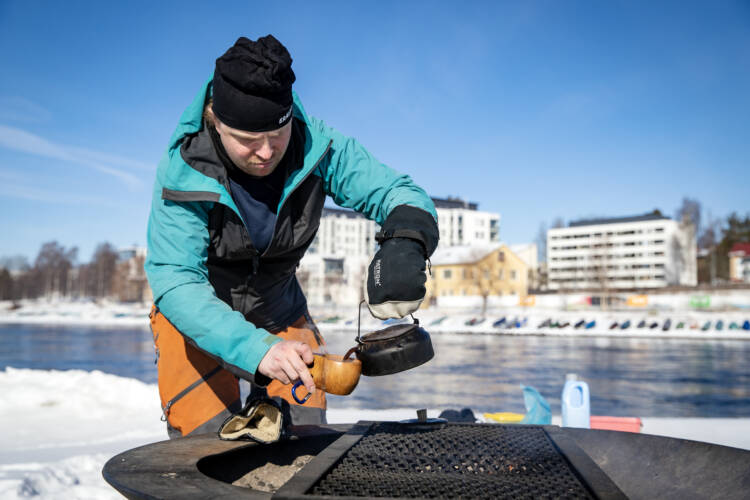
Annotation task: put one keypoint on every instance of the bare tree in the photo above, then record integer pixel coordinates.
(483, 276)
(600, 255)
(52, 266)
(690, 211)
(541, 242)
(98, 276)
(6, 285)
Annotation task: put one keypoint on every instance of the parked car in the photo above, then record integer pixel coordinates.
(667, 325)
(545, 324)
(579, 324)
(625, 325)
(642, 323)
(591, 324)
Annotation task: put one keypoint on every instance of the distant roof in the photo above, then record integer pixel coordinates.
(463, 254)
(615, 220)
(451, 202)
(742, 246)
(344, 212)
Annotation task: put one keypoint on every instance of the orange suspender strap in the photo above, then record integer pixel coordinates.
(193, 387)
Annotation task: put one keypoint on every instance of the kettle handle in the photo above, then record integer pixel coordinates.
(351, 351)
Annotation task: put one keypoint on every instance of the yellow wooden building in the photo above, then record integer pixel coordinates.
(484, 271)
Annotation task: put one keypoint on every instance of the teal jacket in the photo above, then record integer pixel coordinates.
(181, 239)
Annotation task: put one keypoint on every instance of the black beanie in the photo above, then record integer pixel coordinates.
(252, 85)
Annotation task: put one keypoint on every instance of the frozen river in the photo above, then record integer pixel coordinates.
(627, 377)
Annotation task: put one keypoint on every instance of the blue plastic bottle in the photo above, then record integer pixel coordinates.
(576, 411)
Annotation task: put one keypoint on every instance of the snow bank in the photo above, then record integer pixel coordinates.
(58, 428)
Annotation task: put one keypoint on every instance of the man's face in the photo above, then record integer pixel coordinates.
(255, 153)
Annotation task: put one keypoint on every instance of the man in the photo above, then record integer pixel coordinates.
(237, 201)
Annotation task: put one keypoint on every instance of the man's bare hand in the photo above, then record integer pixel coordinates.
(287, 362)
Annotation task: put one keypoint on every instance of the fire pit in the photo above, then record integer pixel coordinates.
(433, 460)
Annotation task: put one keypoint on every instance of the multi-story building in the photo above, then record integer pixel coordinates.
(331, 280)
(461, 223)
(468, 275)
(646, 251)
(335, 265)
(344, 233)
(739, 263)
(129, 282)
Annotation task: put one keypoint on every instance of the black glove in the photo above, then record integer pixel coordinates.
(396, 277)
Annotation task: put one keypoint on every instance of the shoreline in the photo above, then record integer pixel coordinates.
(104, 323)
(105, 314)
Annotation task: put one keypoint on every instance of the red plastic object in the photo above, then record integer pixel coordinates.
(624, 424)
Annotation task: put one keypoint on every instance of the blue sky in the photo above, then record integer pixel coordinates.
(535, 110)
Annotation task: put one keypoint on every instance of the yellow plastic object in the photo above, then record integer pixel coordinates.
(505, 417)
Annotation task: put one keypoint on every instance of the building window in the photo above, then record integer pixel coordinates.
(513, 275)
(447, 274)
(500, 274)
(501, 256)
(465, 273)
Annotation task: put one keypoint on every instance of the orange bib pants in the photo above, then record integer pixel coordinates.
(197, 394)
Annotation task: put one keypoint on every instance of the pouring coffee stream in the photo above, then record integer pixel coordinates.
(383, 352)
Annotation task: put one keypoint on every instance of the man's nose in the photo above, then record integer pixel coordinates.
(265, 151)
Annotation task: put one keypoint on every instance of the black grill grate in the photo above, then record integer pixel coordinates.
(456, 461)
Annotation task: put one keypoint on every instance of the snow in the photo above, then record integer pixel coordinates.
(71, 312)
(58, 428)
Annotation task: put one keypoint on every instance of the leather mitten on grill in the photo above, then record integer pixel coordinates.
(260, 420)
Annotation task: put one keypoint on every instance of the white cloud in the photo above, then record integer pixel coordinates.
(25, 192)
(19, 140)
(20, 109)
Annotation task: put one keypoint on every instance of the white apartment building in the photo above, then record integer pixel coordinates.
(462, 224)
(647, 251)
(344, 233)
(334, 268)
(330, 280)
